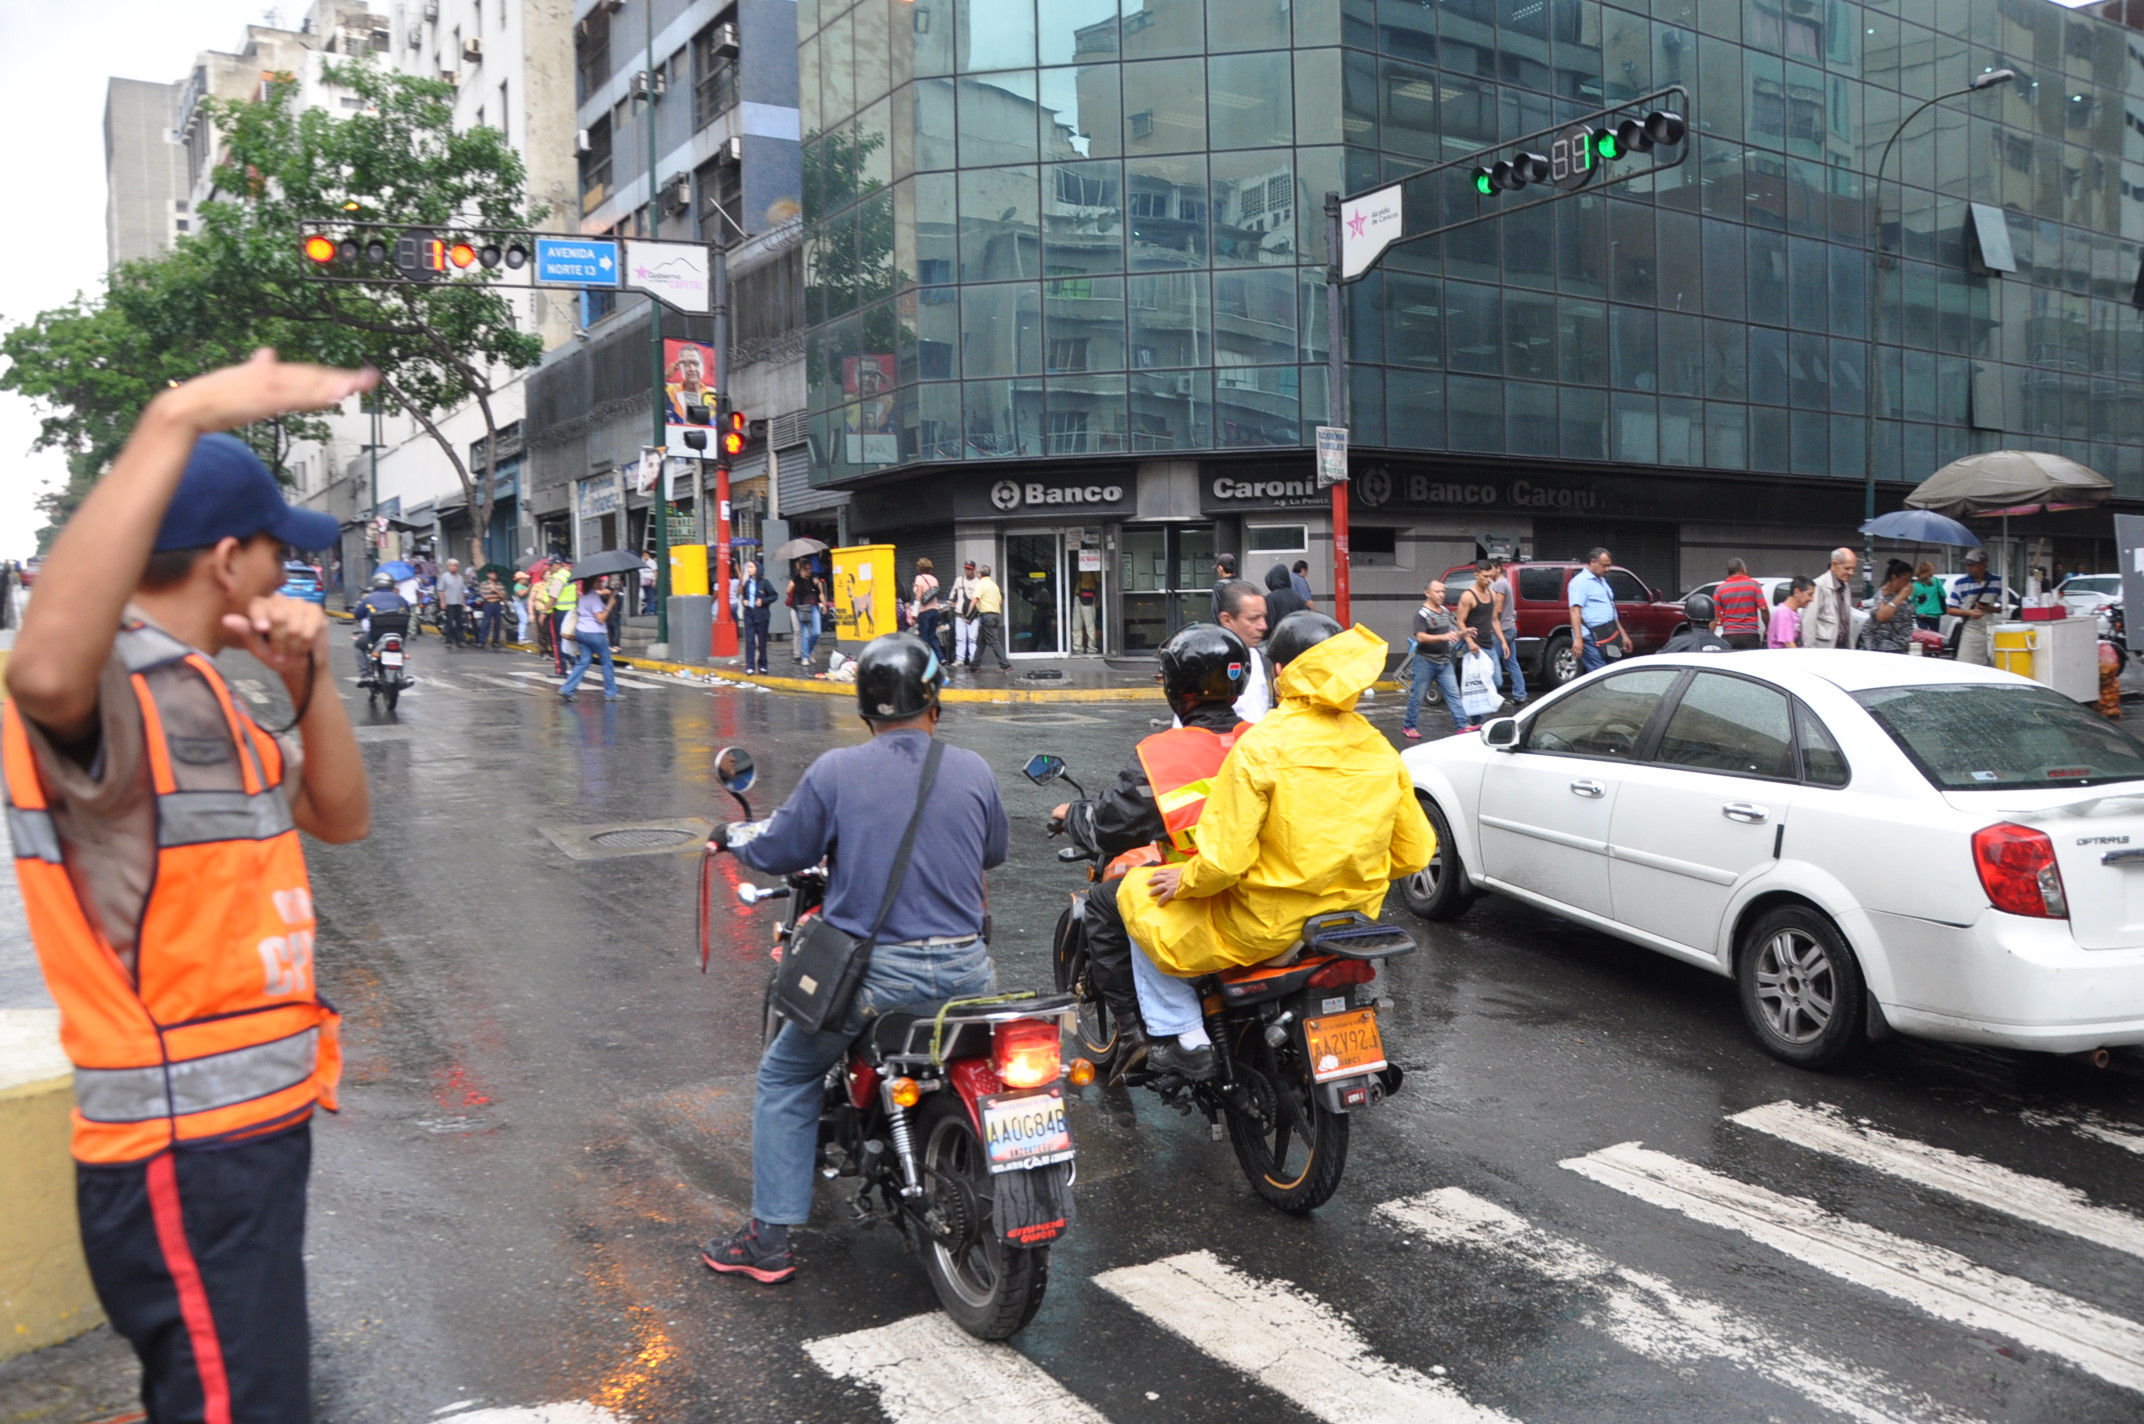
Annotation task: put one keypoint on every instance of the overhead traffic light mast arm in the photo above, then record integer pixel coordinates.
(1590, 151)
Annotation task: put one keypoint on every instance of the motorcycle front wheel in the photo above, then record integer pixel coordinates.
(1095, 1029)
(1290, 1147)
(989, 1288)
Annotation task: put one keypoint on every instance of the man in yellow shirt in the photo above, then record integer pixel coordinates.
(990, 605)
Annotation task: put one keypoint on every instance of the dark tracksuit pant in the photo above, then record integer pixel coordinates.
(1109, 952)
(198, 1257)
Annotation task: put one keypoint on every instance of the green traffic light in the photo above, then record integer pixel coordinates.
(1484, 184)
(1606, 145)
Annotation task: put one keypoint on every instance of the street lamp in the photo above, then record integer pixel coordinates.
(1875, 369)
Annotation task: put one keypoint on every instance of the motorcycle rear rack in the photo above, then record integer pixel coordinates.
(953, 1024)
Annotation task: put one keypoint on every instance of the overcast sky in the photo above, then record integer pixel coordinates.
(54, 60)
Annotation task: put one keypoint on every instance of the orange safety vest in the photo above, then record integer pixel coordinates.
(219, 1033)
(1180, 765)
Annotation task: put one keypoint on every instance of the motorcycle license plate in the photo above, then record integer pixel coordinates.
(1344, 1045)
(1023, 1130)
(390, 660)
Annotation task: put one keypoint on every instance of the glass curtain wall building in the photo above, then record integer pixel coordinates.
(1065, 265)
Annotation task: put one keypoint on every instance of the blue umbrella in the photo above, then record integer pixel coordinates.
(397, 570)
(1921, 526)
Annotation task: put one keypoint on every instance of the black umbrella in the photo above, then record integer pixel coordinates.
(610, 561)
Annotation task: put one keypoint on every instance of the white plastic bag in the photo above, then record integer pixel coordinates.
(1478, 696)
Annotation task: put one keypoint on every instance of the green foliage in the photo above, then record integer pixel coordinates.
(240, 282)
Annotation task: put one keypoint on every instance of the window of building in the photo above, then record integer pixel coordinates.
(595, 166)
(1277, 538)
(1374, 545)
(1141, 124)
(714, 78)
(591, 53)
(721, 202)
(1068, 432)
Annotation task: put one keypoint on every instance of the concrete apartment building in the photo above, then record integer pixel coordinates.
(145, 201)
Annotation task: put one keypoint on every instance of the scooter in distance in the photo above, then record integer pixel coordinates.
(1295, 1038)
(949, 1117)
(387, 664)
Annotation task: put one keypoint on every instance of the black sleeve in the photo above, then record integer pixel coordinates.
(1123, 817)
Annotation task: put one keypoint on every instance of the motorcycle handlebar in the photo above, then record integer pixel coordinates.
(1071, 853)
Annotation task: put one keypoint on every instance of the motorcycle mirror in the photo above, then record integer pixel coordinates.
(1042, 768)
(748, 893)
(734, 769)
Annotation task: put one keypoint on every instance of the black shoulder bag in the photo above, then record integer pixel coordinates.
(823, 967)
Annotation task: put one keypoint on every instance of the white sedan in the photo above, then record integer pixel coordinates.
(1858, 839)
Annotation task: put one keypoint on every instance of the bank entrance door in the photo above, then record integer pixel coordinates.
(1034, 581)
(1166, 579)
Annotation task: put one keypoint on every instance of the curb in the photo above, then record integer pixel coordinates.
(824, 688)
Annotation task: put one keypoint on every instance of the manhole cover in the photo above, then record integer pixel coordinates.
(640, 838)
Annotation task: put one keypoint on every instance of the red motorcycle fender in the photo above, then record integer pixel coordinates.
(973, 1079)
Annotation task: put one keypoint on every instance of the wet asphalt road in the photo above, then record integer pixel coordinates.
(546, 1108)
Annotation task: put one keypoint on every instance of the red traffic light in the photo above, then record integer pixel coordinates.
(461, 254)
(320, 249)
(732, 443)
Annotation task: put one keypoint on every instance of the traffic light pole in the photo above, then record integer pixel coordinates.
(1336, 399)
(725, 635)
(659, 509)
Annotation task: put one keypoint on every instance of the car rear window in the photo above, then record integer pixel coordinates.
(1541, 585)
(1979, 738)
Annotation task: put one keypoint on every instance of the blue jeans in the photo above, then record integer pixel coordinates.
(1592, 655)
(792, 1072)
(1446, 675)
(1169, 1005)
(1514, 675)
(593, 646)
(807, 631)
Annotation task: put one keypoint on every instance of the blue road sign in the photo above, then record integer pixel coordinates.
(577, 261)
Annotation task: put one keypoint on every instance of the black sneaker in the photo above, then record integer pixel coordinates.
(1133, 1046)
(749, 1253)
(1194, 1065)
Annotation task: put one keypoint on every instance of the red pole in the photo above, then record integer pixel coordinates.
(725, 639)
(1340, 556)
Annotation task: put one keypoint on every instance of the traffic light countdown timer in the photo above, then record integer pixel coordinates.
(1576, 154)
(373, 252)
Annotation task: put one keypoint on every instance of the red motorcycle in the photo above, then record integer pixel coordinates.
(949, 1118)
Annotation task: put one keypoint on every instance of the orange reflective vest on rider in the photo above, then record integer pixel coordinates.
(1180, 765)
(218, 1033)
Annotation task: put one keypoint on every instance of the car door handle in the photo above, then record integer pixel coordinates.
(1591, 789)
(1747, 811)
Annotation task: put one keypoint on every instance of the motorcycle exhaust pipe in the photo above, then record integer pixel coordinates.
(2093, 1057)
(1277, 1031)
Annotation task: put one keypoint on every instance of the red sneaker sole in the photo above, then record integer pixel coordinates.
(765, 1278)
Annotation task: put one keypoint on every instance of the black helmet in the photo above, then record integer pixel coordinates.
(897, 677)
(1297, 634)
(1698, 609)
(1203, 663)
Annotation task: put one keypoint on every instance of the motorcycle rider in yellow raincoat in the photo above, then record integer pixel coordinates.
(1311, 813)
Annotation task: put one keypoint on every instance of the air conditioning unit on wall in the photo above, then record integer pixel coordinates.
(726, 40)
(677, 194)
(472, 51)
(581, 142)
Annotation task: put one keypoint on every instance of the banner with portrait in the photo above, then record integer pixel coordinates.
(688, 378)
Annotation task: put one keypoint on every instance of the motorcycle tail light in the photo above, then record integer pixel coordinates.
(1024, 1053)
(2018, 870)
(1343, 972)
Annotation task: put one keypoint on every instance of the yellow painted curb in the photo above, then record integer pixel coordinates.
(45, 1294)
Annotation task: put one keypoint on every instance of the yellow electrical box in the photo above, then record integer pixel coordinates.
(864, 592)
(688, 570)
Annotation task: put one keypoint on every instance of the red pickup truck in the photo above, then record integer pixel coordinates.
(1545, 649)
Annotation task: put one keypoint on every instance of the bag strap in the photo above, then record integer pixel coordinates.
(931, 759)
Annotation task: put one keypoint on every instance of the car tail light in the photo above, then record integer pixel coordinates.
(1024, 1053)
(1343, 972)
(2017, 869)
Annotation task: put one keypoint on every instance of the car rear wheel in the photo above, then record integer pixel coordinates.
(1440, 890)
(1560, 662)
(1801, 988)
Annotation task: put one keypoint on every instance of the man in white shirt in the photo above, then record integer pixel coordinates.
(1240, 607)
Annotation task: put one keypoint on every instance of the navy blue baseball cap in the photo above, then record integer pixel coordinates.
(227, 492)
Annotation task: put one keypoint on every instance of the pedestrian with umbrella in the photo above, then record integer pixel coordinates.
(591, 630)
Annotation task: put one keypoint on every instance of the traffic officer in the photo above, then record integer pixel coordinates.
(155, 823)
(1156, 800)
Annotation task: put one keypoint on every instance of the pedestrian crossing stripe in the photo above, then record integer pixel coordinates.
(1286, 1340)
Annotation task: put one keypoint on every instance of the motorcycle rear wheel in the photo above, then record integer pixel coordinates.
(989, 1288)
(1095, 1029)
(1290, 1147)
(394, 695)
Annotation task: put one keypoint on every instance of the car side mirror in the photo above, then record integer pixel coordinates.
(1042, 768)
(1502, 733)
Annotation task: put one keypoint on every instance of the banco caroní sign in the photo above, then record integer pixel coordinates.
(1011, 495)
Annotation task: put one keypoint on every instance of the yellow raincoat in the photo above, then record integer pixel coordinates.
(1311, 813)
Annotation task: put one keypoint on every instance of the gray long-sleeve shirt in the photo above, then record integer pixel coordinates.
(851, 808)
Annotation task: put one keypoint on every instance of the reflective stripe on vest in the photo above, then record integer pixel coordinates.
(221, 1034)
(1180, 765)
(196, 1085)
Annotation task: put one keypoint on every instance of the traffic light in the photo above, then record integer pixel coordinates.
(320, 248)
(736, 434)
(1660, 127)
(695, 417)
(417, 254)
(1511, 174)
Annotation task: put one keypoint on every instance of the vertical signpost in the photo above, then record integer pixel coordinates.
(1332, 473)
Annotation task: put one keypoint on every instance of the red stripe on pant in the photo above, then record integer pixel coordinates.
(193, 1295)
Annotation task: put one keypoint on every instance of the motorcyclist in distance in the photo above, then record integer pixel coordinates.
(1156, 800)
(1310, 813)
(1698, 637)
(382, 610)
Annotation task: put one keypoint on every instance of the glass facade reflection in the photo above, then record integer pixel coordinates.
(1095, 227)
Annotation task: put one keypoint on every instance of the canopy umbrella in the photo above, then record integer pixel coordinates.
(1920, 526)
(505, 573)
(397, 570)
(2006, 482)
(610, 561)
(798, 549)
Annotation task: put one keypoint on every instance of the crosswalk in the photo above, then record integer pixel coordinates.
(1282, 1339)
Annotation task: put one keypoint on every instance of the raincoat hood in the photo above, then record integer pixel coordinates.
(1336, 672)
(1277, 577)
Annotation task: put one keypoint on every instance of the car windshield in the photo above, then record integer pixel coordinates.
(2109, 584)
(1981, 738)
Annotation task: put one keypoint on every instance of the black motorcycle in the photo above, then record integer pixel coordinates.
(387, 662)
(949, 1117)
(1296, 1041)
